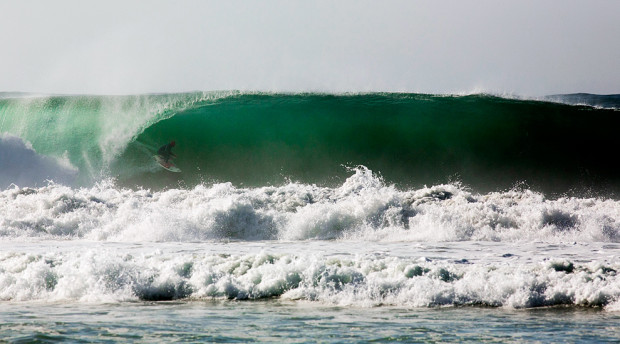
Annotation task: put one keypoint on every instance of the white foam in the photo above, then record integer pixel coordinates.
(363, 208)
(370, 276)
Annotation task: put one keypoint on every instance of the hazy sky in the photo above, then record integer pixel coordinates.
(515, 46)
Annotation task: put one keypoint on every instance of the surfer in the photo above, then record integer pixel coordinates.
(165, 151)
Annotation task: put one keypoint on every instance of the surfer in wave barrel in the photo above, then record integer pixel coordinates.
(165, 151)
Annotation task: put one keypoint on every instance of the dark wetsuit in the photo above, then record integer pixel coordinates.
(165, 152)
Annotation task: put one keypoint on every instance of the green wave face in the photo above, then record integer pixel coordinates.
(486, 142)
(89, 131)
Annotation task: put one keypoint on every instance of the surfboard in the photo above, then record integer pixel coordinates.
(167, 165)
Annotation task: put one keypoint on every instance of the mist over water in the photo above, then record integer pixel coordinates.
(22, 166)
(116, 47)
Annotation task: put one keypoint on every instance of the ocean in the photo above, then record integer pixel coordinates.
(306, 217)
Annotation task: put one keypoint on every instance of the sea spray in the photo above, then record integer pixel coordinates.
(90, 131)
(21, 165)
(364, 207)
(114, 273)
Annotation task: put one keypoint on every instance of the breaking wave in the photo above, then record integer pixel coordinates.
(253, 139)
(364, 207)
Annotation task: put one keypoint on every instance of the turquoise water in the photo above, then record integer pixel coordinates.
(486, 142)
(309, 218)
(289, 322)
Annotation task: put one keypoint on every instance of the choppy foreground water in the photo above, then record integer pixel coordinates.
(297, 322)
(342, 292)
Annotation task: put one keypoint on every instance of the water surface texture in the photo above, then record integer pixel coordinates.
(299, 218)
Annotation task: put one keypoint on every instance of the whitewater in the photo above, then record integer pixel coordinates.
(301, 217)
